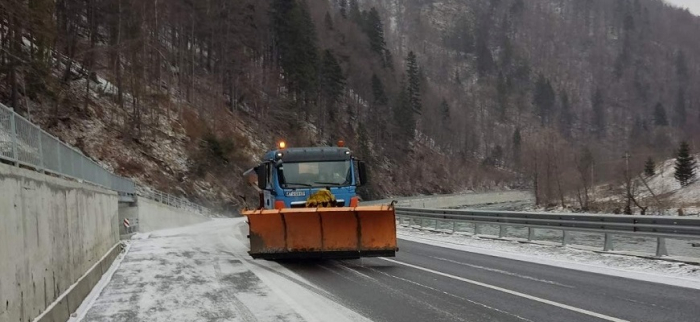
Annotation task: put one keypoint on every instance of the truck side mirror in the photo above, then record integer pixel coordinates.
(362, 171)
(261, 171)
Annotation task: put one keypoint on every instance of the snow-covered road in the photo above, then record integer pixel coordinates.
(203, 273)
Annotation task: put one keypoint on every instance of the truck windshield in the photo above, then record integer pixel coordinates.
(317, 174)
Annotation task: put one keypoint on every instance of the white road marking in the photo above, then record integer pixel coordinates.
(502, 272)
(451, 295)
(511, 292)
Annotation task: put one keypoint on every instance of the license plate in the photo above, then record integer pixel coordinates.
(295, 193)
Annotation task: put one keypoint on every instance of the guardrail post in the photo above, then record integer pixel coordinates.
(565, 238)
(59, 147)
(454, 227)
(422, 223)
(41, 151)
(437, 224)
(530, 233)
(661, 247)
(477, 231)
(608, 243)
(13, 135)
(501, 231)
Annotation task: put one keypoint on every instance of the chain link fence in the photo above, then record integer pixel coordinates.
(23, 143)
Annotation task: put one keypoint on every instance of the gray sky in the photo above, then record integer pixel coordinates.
(693, 5)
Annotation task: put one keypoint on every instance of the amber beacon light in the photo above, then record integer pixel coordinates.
(282, 145)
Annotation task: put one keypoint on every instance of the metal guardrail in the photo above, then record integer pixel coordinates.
(23, 143)
(170, 200)
(609, 225)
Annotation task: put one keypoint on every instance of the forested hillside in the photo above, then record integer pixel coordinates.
(557, 90)
(437, 95)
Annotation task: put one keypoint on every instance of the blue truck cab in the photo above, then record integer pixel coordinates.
(287, 177)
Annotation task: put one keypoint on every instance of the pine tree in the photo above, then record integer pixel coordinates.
(295, 37)
(403, 114)
(502, 96)
(566, 117)
(681, 114)
(484, 58)
(445, 111)
(355, 13)
(685, 165)
(660, 118)
(517, 143)
(375, 31)
(681, 67)
(332, 81)
(328, 21)
(649, 167)
(544, 99)
(343, 8)
(598, 113)
(414, 86)
(378, 91)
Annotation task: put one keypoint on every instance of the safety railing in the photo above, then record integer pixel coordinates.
(170, 200)
(609, 225)
(23, 143)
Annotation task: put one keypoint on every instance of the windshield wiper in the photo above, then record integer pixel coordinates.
(298, 184)
(330, 183)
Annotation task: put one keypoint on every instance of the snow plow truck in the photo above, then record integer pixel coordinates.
(309, 207)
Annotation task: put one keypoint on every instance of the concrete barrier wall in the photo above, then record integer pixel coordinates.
(52, 231)
(154, 216)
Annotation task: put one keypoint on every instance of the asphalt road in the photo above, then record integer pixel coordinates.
(428, 283)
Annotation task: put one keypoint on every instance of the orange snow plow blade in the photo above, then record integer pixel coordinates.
(346, 232)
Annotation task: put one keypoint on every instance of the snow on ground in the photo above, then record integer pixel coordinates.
(659, 271)
(203, 273)
(664, 183)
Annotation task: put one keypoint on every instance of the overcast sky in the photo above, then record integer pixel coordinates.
(693, 5)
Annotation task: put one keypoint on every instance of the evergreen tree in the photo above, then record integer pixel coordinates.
(598, 120)
(445, 114)
(681, 114)
(343, 4)
(403, 114)
(388, 59)
(484, 58)
(378, 92)
(355, 13)
(660, 118)
(295, 39)
(375, 31)
(502, 96)
(544, 99)
(566, 117)
(681, 67)
(328, 21)
(461, 37)
(414, 82)
(332, 81)
(649, 167)
(517, 143)
(685, 165)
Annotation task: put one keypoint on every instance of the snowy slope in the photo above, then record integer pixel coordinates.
(670, 192)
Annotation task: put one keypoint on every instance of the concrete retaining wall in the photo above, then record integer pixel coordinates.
(154, 216)
(52, 231)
